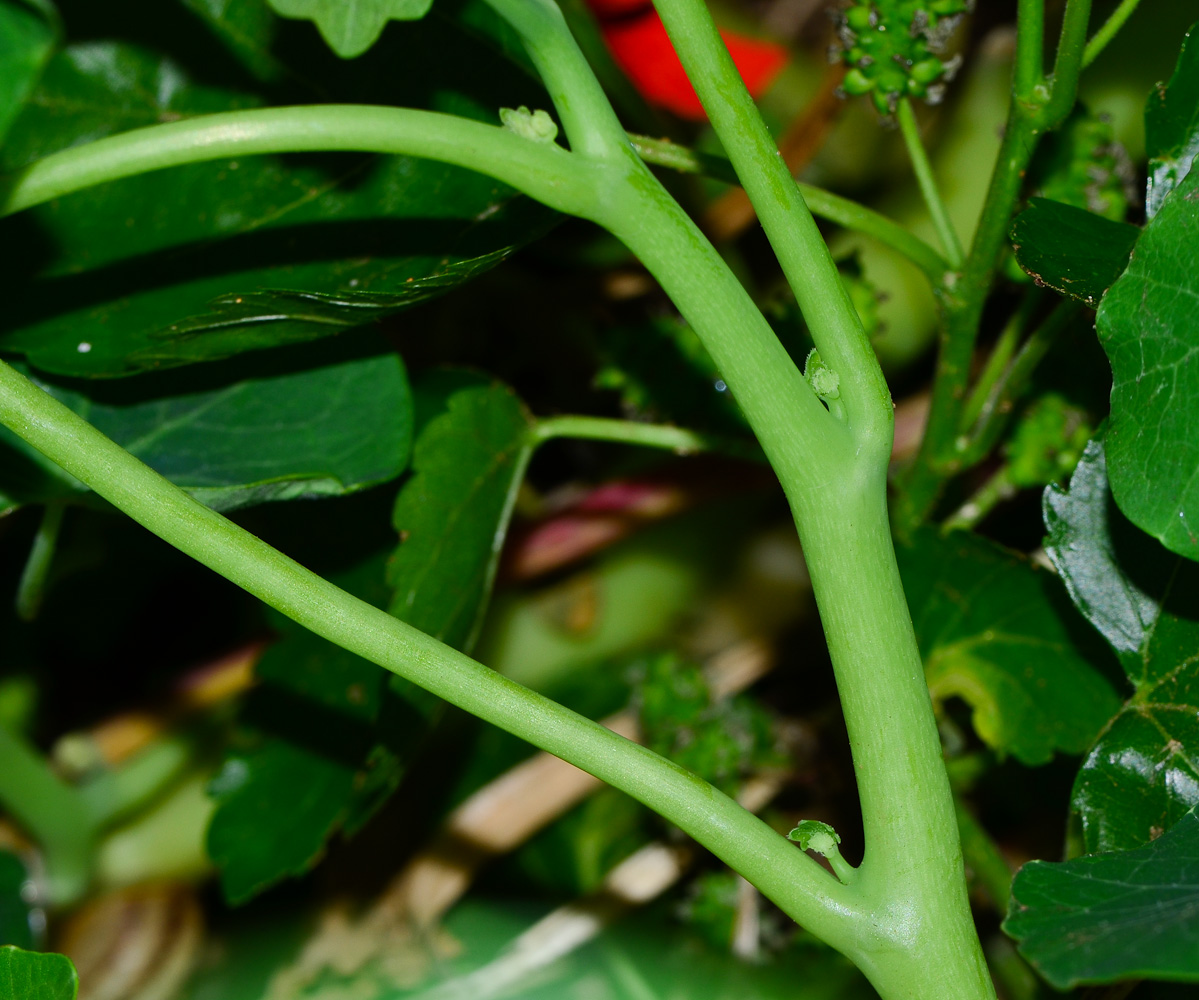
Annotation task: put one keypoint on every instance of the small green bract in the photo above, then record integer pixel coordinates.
(536, 125)
(813, 835)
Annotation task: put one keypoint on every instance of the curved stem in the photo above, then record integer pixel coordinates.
(1108, 31)
(1067, 65)
(805, 258)
(32, 588)
(733, 834)
(544, 171)
(676, 439)
(823, 204)
(587, 117)
(928, 184)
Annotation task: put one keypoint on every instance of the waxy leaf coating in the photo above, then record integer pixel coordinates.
(1108, 917)
(1142, 774)
(1149, 327)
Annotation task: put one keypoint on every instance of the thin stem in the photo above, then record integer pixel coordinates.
(805, 258)
(51, 812)
(983, 857)
(1001, 355)
(1030, 50)
(1110, 29)
(544, 171)
(928, 185)
(1008, 389)
(1067, 65)
(821, 203)
(985, 499)
(940, 456)
(735, 835)
(32, 588)
(587, 117)
(676, 439)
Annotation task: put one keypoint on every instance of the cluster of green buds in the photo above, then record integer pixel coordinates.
(892, 48)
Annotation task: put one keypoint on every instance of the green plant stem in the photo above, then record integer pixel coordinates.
(1007, 390)
(51, 812)
(676, 439)
(1030, 49)
(821, 203)
(983, 857)
(544, 171)
(113, 795)
(999, 358)
(741, 840)
(32, 588)
(923, 169)
(587, 117)
(1066, 66)
(805, 258)
(997, 488)
(1108, 31)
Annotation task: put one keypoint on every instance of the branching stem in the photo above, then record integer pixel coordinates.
(923, 169)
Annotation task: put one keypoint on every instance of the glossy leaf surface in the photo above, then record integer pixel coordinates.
(1149, 328)
(1073, 251)
(325, 431)
(453, 514)
(32, 975)
(1142, 774)
(1172, 127)
(210, 260)
(352, 26)
(26, 41)
(1108, 917)
(990, 628)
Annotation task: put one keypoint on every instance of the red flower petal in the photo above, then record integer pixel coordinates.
(642, 49)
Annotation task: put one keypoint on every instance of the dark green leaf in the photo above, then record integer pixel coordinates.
(31, 975)
(1108, 917)
(329, 735)
(452, 515)
(276, 807)
(1172, 127)
(14, 910)
(991, 633)
(1143, 773)
(1148, 326)
(247, 29)
(1071, 250)
(210, 260)
(26, 41)
(352, 26)
(327, 431)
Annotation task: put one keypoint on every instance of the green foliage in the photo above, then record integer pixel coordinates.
(1152, 450)
(1140, 777)
(27, 37)
(813, 835)
(723, 741)
(892, 47)
(991, 630)
(30, 975)
(1047, 443)
(352, 26)
(1115, 916)
(453, 513)
(1070, 249)
(230, 256)
(288, 434)
(1172, 127)
(1083, 165)
(15, 909)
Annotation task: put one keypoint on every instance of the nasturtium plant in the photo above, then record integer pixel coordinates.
(389, 387)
